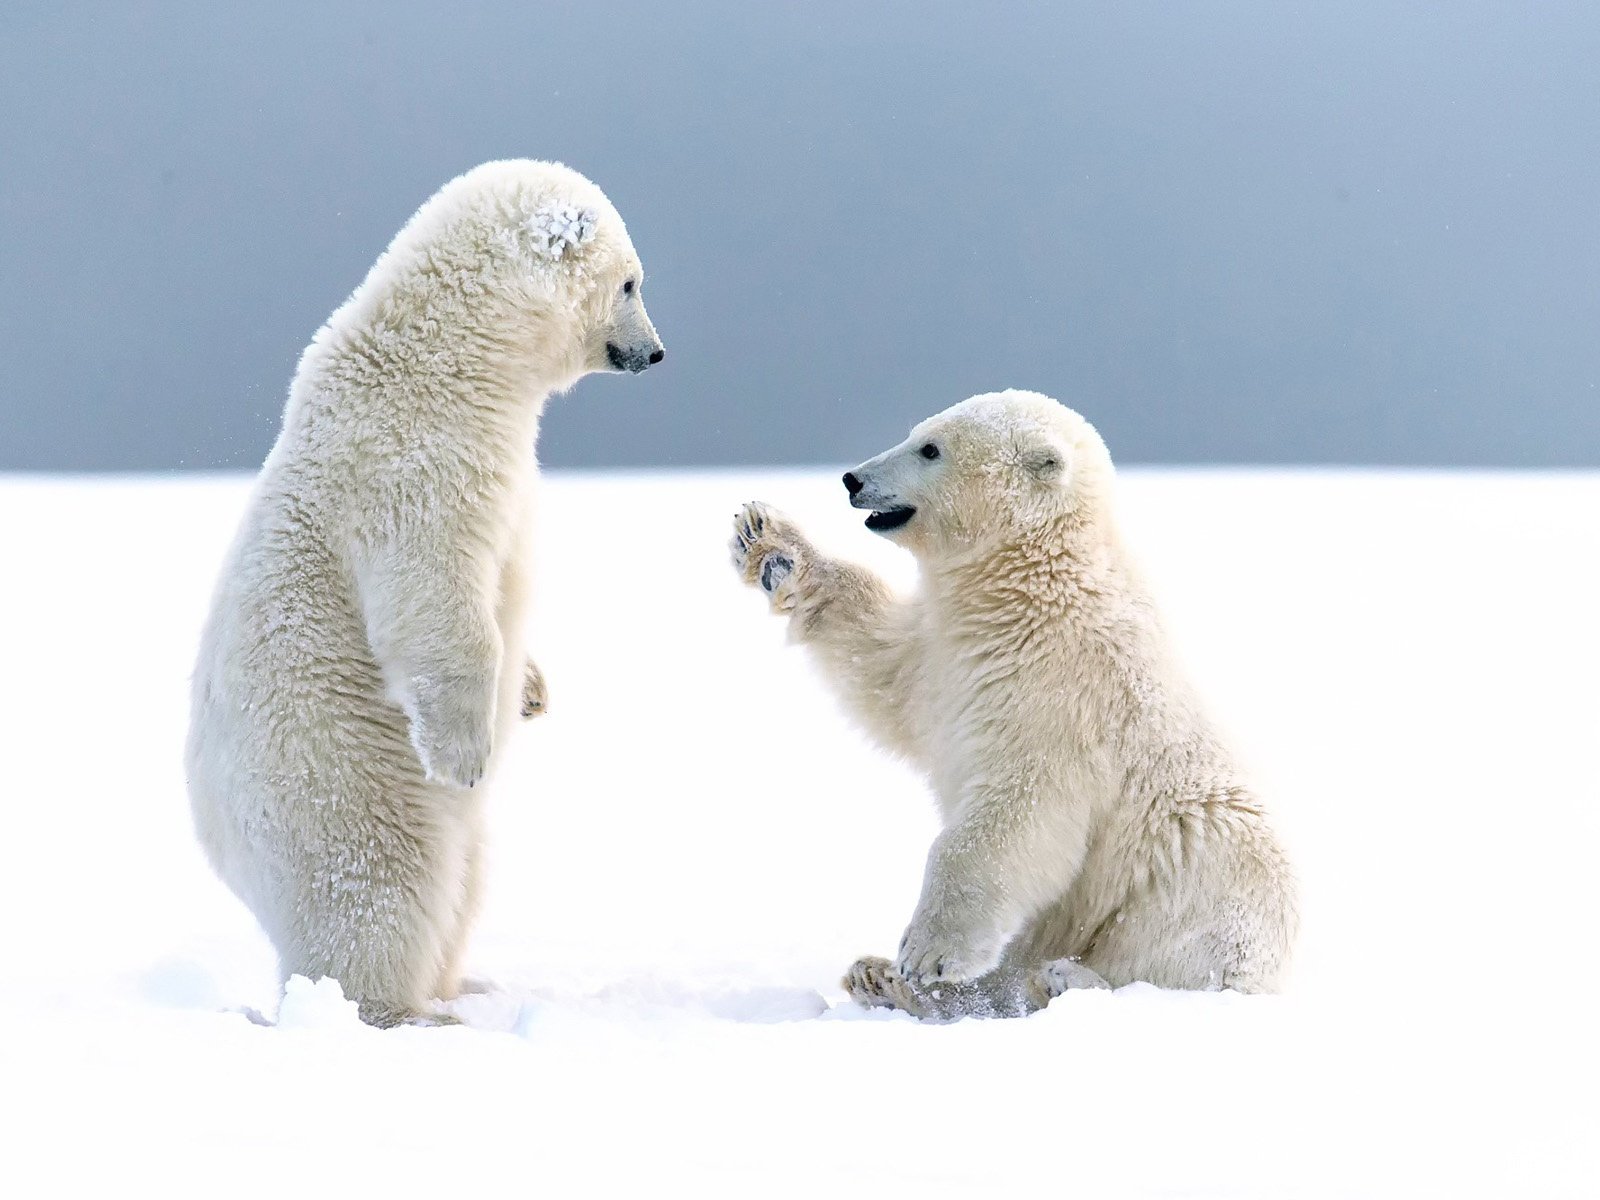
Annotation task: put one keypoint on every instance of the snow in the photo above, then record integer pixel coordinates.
(315, 1004)
(557, 226)
(693, 845)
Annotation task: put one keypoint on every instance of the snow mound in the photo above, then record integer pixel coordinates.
(316, 1005)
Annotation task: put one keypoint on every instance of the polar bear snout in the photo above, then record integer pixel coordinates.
(634, 358)
(629, 337)
(867, 492)
(885, 510)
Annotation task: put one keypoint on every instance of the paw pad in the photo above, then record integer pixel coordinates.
(775, 568)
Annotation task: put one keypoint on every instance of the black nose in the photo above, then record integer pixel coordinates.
(656, 356)
(851, 483)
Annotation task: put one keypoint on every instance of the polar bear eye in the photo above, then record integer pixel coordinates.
(929, 451)
(627, 288)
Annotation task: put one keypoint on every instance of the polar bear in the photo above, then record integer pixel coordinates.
(363, 659)
(1096, 830)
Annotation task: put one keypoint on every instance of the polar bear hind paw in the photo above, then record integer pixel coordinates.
(1062, 975)
(385, 1015)
(874, 983)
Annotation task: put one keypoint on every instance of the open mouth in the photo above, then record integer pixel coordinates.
(889, 518)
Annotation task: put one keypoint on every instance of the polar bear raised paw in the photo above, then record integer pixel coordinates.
(768, 551)
(535, 699)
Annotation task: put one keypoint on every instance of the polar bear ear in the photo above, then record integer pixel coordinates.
(1046, 462)
(558, 229)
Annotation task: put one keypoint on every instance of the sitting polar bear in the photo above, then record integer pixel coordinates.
(363, 659)
(1095, 828)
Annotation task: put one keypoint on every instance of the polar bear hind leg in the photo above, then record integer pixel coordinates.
(1224, 944)
(385, 925)
(450, 983)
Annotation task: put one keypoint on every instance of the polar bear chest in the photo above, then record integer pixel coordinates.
(1029, 729)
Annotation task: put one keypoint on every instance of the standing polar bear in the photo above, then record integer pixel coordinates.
(363, 660)
(1096, 830)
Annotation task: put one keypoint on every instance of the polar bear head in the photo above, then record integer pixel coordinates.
(543, 261)
(993, 469)
(570, 249)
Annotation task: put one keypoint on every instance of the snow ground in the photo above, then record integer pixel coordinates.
(692, 846)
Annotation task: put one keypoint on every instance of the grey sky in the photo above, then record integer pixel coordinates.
(1365, 231)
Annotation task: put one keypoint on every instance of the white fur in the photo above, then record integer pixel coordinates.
(1096, 828)
(363, 661)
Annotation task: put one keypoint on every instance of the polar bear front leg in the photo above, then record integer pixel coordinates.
(956, 933)
(430, 623)
(451, 729)
(861, 638)
(535, 700)
(1012, 850)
